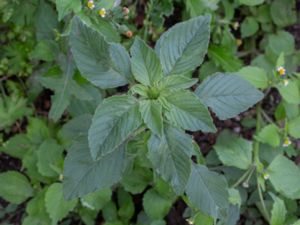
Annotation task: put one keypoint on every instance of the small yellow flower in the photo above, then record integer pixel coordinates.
(91, 4)
(102, 12)
(286, 142)
(266, 176)
(285, 82)
(236, 25)
(239, 42)
(281, 70)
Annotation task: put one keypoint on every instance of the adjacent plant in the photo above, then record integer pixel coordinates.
(160, 102)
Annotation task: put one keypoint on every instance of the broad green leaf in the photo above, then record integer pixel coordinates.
(207, 191)
(269, 135)
(96, 200)
(64, 88)
(50, 156)
(255, 76)
(278, 212)
(224, 58)
(251, 2)
(95, 58)
(170, 156)
(38, 130)
(285, 177)
(199, 7)
(185, 110)
(296, 223)
(126, 205)
(227, 94)
(183, 47)
(115, 120)
(15, 187)
(83, 175)
(45, 50)
(155, 205)
(202, 219)
(151, 111)
(16, 146)
(294, 127)
(36, 210)
(135, 181)
(64, 7)
(145, 64)
(56, 206)
(249, 27)
(283, 12)
(280, 42)
(290, 93)
(45, 21)
(177, 82)
(233, 150)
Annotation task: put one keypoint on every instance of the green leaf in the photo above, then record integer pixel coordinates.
(145, 64)
(283, 12)
(64, 7)
(151, 111)
(227, 94)
(126, 205)
(115, 120)
(56, 206)
(177, 82)
(95, 58)
(224, 58)
(290, 93)
(233, 150)
(199, 7)
(170, 156)
(64, 88)
(278, 212)
(185, 110)
(50, 155)
(207, 191)
(36, 210)
(280, 42)
(255, 76)
(269, 135)
(183, 47)
(294, 127)
(45, 50)
(96, 200)
(285, 177)
(14, 187)
(155, 205)
(83, 175)
(45, 21)
(16, 146)
(234, 197)
(251, 2)
(249, 27)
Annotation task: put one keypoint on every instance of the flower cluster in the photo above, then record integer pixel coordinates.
(282, 73)
(91, 5)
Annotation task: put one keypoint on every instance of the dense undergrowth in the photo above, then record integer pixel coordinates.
(149, 112)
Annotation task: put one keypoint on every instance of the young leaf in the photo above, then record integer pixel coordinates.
(278, 212)
(290, 93)
(183, 47)
(227, 94)
(64, 7)
(145, 64)
(83, 175)
(177, 82)
(56, 206)
(207, 191)
(170, 156)
(233, 150)
(186, 111)
(14, 187)
(155, 205)
(151, 111)
(269, 135)
(114, 121)
(64, 88)
(92, 55)
(49, 156)
(255, 76)
(285, 177)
